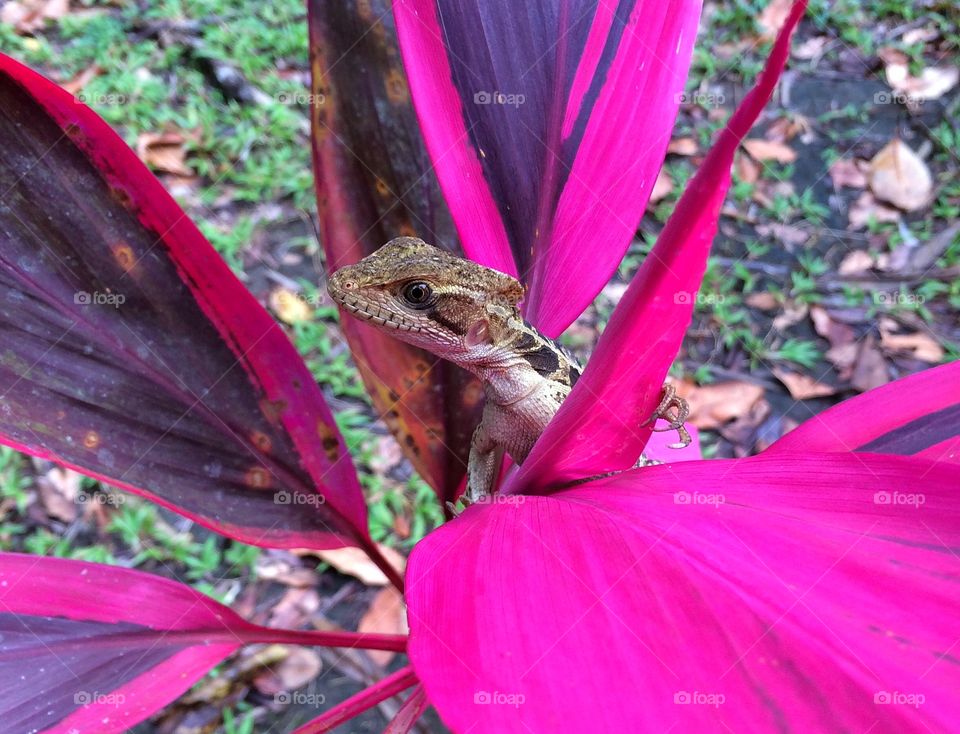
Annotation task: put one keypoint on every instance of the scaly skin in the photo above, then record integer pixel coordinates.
(469, 314)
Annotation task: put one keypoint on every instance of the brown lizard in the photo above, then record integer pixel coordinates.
(467, 313)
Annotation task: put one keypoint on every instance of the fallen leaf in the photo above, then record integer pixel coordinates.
(27, 16)
(285, 568)
(870, 368)
(683, 146)
(290, 307)
(802, 387)
(82, 79)
(788, 234)
(299, 666)
(900, 177)
(59, 491)
(295, 608)
(932, 83)
(387, 615)
(919, 257)
(773, 16)
(812, 48)
(715, 404)
(784, 129)
(164, 152)
(769, 150)
(856, 262)
(848, 172)
(833, 331)
(763, 301)
(742, 432)
(867, 209)
(793, 313)
(746, 169)
(917, 345)
(661, 187)
(354, 562)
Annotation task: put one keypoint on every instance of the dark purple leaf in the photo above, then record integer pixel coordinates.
(374, 183)
(129, 351)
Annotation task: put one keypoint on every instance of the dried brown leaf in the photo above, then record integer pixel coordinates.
(164, 152)
(802, 387)
(354, 562)
(387, 615)
(769, 150)
(900, 177)
(848, 172)
(713, 405)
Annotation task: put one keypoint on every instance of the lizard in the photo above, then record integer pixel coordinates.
(470, 315)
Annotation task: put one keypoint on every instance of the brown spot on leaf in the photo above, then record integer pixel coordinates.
(273, 409)
(332, 448)
(396, 85)
(257, 478)
(261, 441)
(124, 255)
(382, 188)
(121, 196)
(328, 439)
(91, 439)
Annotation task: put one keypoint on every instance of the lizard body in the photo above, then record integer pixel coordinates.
(469, 314)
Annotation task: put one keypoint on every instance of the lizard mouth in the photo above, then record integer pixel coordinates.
(370, 311)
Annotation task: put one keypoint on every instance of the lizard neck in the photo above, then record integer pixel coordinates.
(521, 360)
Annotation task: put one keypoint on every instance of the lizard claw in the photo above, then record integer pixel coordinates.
(675, 410)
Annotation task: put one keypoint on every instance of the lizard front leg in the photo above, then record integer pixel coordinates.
(481, 466)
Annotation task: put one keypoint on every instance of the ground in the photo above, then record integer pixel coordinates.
(835, 270)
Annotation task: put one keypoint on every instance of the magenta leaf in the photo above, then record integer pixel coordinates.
(621, 384)
(357, 704)
(130, 352)
(918, 415)
(547, 128)
(88, 647)
(374, 183)
(409, 713)
(771, 594)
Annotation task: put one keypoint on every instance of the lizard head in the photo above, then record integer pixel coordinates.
(427, 297)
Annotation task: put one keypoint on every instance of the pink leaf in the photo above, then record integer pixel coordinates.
(779, 594)
(601, 425)
(365, 699)
(547, 131)
(88, 647)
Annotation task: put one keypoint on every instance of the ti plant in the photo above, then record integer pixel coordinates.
(810, 588)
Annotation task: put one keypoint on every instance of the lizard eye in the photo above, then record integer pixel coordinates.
(417, 294)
